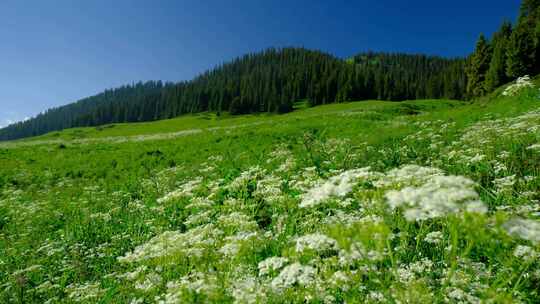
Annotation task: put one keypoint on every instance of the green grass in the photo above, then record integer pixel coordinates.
(74, 204)
(211, 120)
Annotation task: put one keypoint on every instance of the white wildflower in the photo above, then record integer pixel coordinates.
(535, 147)
(338, 186)
(526, 253)
(269, 188)
(340, 280)
(521, 83)
(376, 296)
(150, 282)
(137, 301)
(410, 272)
(457, 294)
(133, 275)
(198, 219)
(171, 243)
(106, 217)
(408, 175)
(84, 292)
(186, 190)
(524, 228)
(196, 282)
(504, 154)
(248, 291)
(435, 237)
(27, 270)
(271, 265)
(476, 207)
(252, 174)
(317, 242)
(375, 256)
(237, 221)
(199, 203)
(505, 183)
(350, 257)
(235, 243)
(287, 166)
(440, 196)
(294, 274)
(477, 158)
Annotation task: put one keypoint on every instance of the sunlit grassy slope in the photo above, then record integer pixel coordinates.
(416, 202)
(379, 110)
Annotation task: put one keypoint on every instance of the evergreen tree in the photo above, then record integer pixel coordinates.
(530, 16)
(477, 68)
(529, 9)
(524, 47)
(496, 75)
(521, 52)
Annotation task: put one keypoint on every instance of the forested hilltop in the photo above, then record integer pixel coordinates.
(270, 81)
(273, 80)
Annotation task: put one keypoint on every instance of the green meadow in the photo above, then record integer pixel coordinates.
(429, 201)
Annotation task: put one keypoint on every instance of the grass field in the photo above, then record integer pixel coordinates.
(366, 202)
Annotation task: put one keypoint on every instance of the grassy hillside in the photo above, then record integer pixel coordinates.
(380, 110)
(416, 202)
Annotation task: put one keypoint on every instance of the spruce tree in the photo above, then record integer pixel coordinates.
(496, 74)
(477, 68)
(524, 48)
(521, 52)
(529, 9)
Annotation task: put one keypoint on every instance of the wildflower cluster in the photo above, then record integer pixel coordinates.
(521, 83)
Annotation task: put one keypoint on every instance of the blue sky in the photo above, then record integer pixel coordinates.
(55, 52)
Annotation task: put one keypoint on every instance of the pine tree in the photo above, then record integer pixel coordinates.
(529, 9)
(477, 68)
(521, 52)
(530, 16)
(524, 48)
(496, 74)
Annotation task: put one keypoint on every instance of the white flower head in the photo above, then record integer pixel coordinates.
(438, 197)
(520, 84)
(526, 253)
(317, 242)
(435, 237)
(294, 274)
(524, 228)
(337, 186)
(271, 265)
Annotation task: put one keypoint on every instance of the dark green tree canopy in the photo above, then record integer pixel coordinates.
(477, 68)
(496, 74)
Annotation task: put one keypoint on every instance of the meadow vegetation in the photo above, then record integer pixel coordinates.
(432, 201)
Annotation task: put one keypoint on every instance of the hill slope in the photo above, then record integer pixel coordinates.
(423, 201)
(270, 81)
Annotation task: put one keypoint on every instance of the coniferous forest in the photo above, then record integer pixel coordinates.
(273, 80)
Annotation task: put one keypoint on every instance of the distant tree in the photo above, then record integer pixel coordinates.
(496, 75)
(530, 9)
(521, 52)
(477, 68)
(524, 47)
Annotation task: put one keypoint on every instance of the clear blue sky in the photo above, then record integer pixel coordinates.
(55, 52)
